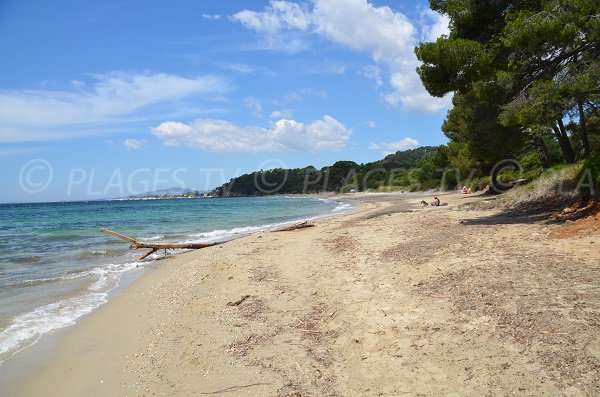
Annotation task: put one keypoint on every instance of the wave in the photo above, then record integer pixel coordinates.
(341, 207)
(152, 238)
(26, 329)
(225, 234)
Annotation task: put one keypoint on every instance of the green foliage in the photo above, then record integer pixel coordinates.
(402, 170)
(517, 69)
(443, 58)
(427, 168)
(341, 173)
(558, 180)
(530, 162)
(430, 184)
(555, 155)
(589, 175)
(408, 158)
(479, 183)
(348, 188)
(509, 176)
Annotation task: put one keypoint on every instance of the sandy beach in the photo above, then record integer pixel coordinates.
(389, 300)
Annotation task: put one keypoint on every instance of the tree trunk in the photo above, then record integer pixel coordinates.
(563, 141)
(542, 150)
(584, 135)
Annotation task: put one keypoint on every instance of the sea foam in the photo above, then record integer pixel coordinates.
(26, 329)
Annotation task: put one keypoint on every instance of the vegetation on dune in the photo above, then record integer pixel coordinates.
(558, 181)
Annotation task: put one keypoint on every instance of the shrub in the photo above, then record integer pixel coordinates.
(530, 161)
(590, 175)
(509, 176)
(430, 184)
(480, 183)
(558, 180)
(392, 188)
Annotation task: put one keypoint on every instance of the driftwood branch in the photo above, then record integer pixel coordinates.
(235, 388)
(136, 244)
(239, 301)
(301, 225)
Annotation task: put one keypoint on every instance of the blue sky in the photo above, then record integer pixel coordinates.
(103, 99)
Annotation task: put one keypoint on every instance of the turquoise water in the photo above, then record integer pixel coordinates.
(56, 266)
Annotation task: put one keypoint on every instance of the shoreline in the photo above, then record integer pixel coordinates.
(219, 236)
(19, 368)
(379, 301)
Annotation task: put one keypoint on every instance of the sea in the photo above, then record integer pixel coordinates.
(56, 266)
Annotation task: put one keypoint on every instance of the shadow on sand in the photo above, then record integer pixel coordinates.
(555, 211)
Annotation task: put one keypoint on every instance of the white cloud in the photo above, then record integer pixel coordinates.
(8, 152)
(283, 135)
(112, 98)
(238, 67)
(246, 69)
(278, 16)
(393, 147)
(135, 144)
(301, 94)
(387, 36)
(254, 104)
(372, 124)
(282, 114)
(278, 22)
(373, 72)
(212, 17)
(434, 25)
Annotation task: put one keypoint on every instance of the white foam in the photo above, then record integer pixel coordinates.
(26, 329)
(223, 234)
(342, 207)
(108, 275)
(152, 238)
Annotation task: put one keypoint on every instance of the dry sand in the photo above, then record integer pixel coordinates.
(390, 300)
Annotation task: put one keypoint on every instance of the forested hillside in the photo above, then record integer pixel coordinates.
(409, 169)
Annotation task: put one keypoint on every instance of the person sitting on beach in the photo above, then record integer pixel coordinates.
(435, 202)
(464, 190)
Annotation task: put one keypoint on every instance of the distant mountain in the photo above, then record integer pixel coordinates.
(164, 193)
(167, 192)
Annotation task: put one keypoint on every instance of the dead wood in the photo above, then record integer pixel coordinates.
(239, 301)
(301, 225)
(235, 388)
(136, 244)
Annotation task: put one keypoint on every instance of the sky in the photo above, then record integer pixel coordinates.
(112, 98)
